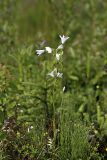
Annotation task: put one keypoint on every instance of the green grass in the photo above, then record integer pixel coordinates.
(38, 120)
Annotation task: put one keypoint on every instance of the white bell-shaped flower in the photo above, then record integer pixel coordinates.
(59, 75)
(58, 56)
(54, 73)
(40, 52)
(60, 46)
(48, 49)
(63, 39)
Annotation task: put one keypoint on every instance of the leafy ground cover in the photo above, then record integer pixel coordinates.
(53, 88)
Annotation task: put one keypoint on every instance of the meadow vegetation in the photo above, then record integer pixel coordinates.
(53, 88)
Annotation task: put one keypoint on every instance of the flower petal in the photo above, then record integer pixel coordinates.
(59, 75)
(40, 52)
(63, 39)
(60, 46)
(48, 49)
(58, 56)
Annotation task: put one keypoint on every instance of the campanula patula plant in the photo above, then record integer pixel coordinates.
(53, 88)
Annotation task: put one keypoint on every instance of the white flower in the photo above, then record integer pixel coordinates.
(59, 75)
(58, 56)
(48, 49)
(29, 128)
(51, 74)
(21, 111)
(63, 39)
(39, 52)
(63, 88)
(54, 73)
(60, 46)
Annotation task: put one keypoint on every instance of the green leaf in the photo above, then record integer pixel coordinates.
(1, 116)
(2, 135)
